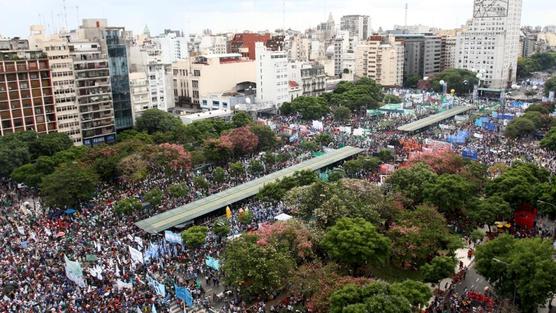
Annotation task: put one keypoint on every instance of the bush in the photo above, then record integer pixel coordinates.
(178, 190)
(154, 196)
(127, 206)
(245, 217)
(194, 236)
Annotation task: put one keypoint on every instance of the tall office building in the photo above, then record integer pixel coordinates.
(26, 96)
(490, 41)
(113, 42)
(173, 47)
(57, 49)
(94, 93)
(357, 25)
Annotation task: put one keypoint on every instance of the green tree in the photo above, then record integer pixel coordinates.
(416, 292)
(549, 140)
(127, 206)
(237, 169)
(267, 138)
(201, 183)
(455, 78)
(77, 183)
(520, 268)
(550, 85)
(377, 297)
(520, 127)
(392, 99)
(133, 134)
(219, 175)
(411, 81)
(194, 236)
(154, 196)
(221, 227)
(155, 120)
(419, 235)
(411, 182)
(179, 190)
(547, 199)
(245, 217)
(256, 167)
(355, 242)
(310, 108)
(241, 119)
(342, 114)
(518, 184)
(450, 193)
(13, 154)
(439, 268)
(324, 139)
(28, 175)
(490, 210)
(49, 144)
(385, 155)
(257, 271)
(360, 95)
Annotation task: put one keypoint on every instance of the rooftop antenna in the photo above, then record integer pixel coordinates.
(405, 19)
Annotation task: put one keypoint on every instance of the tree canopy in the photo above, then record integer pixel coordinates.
(523, 266)
(355, 242)
(455, 78)
(78, 185)
(155, 120)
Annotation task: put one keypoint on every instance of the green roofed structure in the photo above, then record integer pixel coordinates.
(433, 119)
(196, 209)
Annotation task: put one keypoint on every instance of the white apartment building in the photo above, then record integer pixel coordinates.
(381, 59)
(172, 47)
(139, 90)
(63, 81)
(344, 53)
(489, 42)
(299, 48)
(271, 75)
(148, 59)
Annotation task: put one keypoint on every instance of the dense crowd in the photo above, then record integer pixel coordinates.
(35, 241)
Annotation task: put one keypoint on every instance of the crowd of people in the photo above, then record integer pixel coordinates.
(35, 240)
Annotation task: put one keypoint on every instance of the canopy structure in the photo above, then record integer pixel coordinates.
(193, 210)
(283, 217)
(433, 119)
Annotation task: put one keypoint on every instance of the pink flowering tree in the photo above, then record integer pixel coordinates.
(292, 236)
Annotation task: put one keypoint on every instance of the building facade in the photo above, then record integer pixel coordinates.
(140, 96)
(94, 93)
(357, 25)
(432, 56)
(57, 49)
(381, 59)
(448, 52)
(271, 76)
(489, 42)
(26, 93)
(244, 44)
(173, 47)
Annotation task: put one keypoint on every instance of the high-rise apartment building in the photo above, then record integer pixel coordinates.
(26, 93)
(381, 59)
(489, 42)
(448, 52)
(94, 93)
(272, 76)
(344, 53)
(57, 49)
(432, 56)
(357, 25)
(113, 42)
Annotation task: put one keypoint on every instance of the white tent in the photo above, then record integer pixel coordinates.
(282, 217)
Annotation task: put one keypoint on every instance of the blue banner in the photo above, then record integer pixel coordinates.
(212, 263)
(184, 294)
(159, 288)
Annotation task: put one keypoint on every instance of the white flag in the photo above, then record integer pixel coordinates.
(136, 255)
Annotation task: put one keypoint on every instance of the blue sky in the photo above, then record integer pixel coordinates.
(239, 15)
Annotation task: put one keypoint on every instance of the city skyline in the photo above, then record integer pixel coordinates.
(254, 15)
